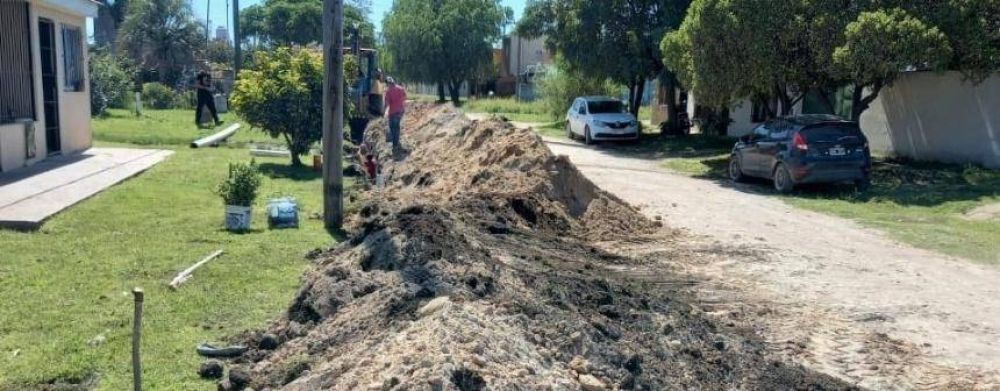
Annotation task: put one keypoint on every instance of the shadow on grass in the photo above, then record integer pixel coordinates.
(338, 234)
(900, 182)
(288, 171)
(653, 146)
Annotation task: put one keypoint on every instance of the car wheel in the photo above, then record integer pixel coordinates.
(862, 185)
(736, 169)
(586, 136)
(783, 179)
(569, 132)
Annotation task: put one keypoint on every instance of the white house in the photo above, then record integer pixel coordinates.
(44, 98)
(922, 115)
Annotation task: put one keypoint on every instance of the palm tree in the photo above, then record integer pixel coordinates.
(162, 36)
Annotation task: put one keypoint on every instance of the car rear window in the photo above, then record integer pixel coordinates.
(605, 107)
(845, 133)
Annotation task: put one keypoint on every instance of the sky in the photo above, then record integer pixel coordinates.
(219, 16)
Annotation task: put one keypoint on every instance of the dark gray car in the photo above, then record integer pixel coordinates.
(803, 149)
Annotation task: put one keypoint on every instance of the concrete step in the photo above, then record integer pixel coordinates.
(30, 197)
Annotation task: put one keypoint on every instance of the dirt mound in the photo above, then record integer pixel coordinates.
(472, 270)
(451, 159)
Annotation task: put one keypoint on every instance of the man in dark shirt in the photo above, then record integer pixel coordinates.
(204, 86)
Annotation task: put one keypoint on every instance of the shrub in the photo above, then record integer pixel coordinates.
(186, 100)
(714, 122)
(110, 82)
(283, 96)
(240, 187)
(560, 86)
(159, 96)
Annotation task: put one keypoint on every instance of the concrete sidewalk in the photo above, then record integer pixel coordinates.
(31, 195)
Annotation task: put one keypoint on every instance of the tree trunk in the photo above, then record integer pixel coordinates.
(636, 104)
(860, 102)
(631, 94)
(292, 150)
(824, 98)
(441, 97)
(781, 92)
(454, 88)
(672, 126)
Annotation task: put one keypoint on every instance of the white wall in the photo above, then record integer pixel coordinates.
(940, 117)
(526, 52)
(741, 114)
(11, 146)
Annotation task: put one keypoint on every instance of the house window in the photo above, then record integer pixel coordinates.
(72, 58)
(16, 88)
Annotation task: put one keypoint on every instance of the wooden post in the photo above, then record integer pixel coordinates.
(136, 340)
(237, 47)
(333, 113)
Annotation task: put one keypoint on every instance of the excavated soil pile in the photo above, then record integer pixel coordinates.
(471, 269)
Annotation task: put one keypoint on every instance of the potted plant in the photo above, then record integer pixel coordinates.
(239, 190)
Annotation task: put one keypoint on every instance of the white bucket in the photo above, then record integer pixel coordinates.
(238, 218)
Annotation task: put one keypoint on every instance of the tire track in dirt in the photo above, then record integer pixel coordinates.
(856, 350)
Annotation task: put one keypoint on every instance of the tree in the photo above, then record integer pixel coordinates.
(283, 96)
(253, 24)
(878, 45)
(162, 35)
(727, 50)
(616, 39)
(445, 42)
(972, 28)
(299, 22)
(219, 51)
(110, 81)
(561, 85)
(111, 14)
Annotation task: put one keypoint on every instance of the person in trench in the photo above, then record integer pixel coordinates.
(395, 107)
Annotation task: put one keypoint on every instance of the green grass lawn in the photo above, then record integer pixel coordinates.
(922, 204)
(69, 283)
(510, 108)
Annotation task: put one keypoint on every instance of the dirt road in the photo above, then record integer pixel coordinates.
(836, 296)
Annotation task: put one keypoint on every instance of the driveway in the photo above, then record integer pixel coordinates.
(840, 297)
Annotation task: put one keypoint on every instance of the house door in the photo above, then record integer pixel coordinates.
(50, 85)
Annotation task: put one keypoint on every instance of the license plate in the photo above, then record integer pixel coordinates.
(838, 151)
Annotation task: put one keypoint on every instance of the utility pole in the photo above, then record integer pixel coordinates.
(237, 41)
(333, 113)
(208, 20)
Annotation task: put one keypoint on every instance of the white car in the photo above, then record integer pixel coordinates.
(597, 118)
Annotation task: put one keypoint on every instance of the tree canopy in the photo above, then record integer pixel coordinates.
(443, 41)
(283, 96)
(616, 39)
(299, 22)
(726, 50)
(162, 35)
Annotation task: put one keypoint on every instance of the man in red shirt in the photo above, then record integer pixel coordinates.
(395, 104)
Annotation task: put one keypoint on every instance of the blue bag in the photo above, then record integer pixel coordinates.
(283, 213)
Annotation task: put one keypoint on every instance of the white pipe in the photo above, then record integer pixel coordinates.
(217, 138)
